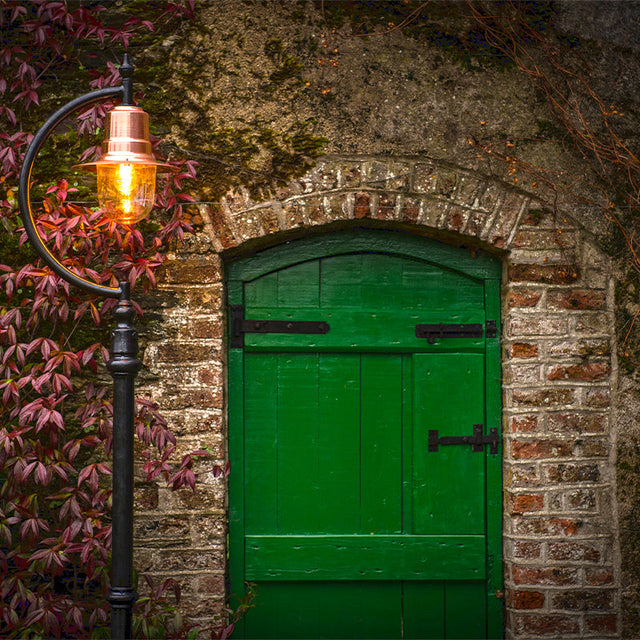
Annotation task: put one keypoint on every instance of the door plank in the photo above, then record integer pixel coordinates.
(381, 459)
(422, 611)
(338, 445)
(465, 610)
(261, 443)
(365, 557)
(298, 426)
(449, 397)
(314, 610)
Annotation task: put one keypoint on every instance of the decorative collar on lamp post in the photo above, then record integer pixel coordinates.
(126, 192)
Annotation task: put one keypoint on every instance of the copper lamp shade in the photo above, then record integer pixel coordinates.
(127, 169)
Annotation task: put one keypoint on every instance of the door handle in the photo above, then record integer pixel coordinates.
(477, 441)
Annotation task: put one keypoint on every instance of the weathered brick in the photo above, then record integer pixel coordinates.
(362, 205)
(576, 422)
(171, 527)
(602, 625)
(211, 327)
(180, 559)
(541, 239)
(551, 576)
(584, 347)
(199, 398)
(270, 220)
(524, 424)
(212, 583)
(536, 217)
(583, 600)
(191, 270)
(213, 608)
(223, 226)
(598, 398)
(546, 526)
(523, 350)
(542, 397)
(456, 219)
(509, 209)
(595, 448)
(525, 503)
(209, 298)
(210, 527)
(179, 352)
(581, 499)
(410, 210)
(527, 600)
(575, 552)
(572, 472)
(597, 576)
(523, 476)
(209, 376)
(145, 495)
(377, 173)
(202, 497)
(527, 549)
(398, 176)
(540, 448)
(548, 274)
(476, 222)
(591, 323)
(386, 206)
(537, 325)
(522, 374)
(424, 178)
(446, 181)
(521, 297)
(576, 299)
(581, 372)
(293, 214)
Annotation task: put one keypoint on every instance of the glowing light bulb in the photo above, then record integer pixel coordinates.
(126, 191)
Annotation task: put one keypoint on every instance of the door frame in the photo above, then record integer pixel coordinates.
(470, 262)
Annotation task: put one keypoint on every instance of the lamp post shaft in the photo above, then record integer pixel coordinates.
(123, 366)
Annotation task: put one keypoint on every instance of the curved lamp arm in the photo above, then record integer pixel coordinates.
(25, 200)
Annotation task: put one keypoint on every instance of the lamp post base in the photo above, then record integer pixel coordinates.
(123, 366)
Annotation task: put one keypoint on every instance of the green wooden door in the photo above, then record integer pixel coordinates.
(346, 523)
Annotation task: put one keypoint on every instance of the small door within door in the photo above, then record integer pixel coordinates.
(344, 520)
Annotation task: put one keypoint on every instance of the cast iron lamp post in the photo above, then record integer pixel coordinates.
(126, 190)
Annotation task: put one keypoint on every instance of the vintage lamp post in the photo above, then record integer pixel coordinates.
(126, 191)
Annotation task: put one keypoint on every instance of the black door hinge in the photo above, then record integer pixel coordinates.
(240, 326)
(433, 332)
(477, 441)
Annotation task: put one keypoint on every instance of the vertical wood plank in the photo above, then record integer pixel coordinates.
(381, 427)
(328, 610)
(299, 495)
(261, 443)
(448, 396)
(423, 611)
(338, 444)
(465, 610)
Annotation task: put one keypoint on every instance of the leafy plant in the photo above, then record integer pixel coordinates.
(55, 410)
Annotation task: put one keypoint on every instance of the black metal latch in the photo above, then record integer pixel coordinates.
(477, 441)
(433, 332)
(240, 326)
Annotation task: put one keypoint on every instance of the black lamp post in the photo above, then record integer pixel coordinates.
(126, 190)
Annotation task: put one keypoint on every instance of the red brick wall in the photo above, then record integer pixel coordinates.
(558, 376)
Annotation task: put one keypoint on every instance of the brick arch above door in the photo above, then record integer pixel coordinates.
(411, 191)
(558, 375)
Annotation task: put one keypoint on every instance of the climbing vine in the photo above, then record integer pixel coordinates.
(55, 407)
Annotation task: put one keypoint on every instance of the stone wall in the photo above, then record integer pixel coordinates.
(560, 543)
